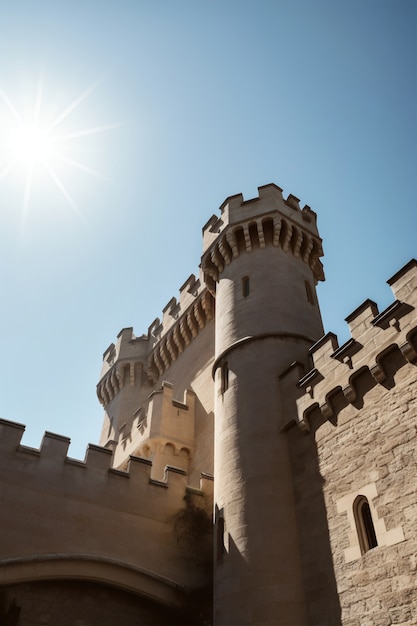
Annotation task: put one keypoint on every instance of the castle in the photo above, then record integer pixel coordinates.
(250, 471)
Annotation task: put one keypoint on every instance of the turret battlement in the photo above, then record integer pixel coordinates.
(127, 348)
(181, 322)
(268, 219)
(236, 209)
(380, 344)
(154, 352)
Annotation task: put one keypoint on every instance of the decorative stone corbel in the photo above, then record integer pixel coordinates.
(409, 352)
(310, 390)
(395, 323)
(326, 410)
(347, 360)
(378, 373)
(350, 393)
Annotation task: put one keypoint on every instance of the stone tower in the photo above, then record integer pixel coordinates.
(261, 260)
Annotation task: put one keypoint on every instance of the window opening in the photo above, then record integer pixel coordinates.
(225, 377)
(364, 524)
(245, 286)
(309, 292)
(221, 548)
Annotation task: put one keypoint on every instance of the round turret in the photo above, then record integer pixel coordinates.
(261, 259)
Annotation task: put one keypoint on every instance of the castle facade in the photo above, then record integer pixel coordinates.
(250, 470)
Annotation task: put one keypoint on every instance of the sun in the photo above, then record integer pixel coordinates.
(37, 144)
(31, 144)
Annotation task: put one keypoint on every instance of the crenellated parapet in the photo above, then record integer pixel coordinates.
(380, 343)
(266, 220)
(123, 363)
(153, 353)
(94, 478)
(95, 513)
(181, 323)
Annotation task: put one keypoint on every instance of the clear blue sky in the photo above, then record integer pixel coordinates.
(196, 101)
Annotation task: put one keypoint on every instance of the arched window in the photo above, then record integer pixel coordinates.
(364, 524)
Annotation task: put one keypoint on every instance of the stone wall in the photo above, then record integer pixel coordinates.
(359, 410)
(62, 518)
(371, 452)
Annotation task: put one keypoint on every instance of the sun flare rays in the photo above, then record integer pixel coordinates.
(36, 144)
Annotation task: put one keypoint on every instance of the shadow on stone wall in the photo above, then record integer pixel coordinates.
(194, 533)
(322, 600)
(69, 603)
(9, 611)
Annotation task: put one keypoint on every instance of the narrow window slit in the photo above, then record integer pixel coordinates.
(221, 548)
(309, 292)
(245, 286)
(225, 377)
